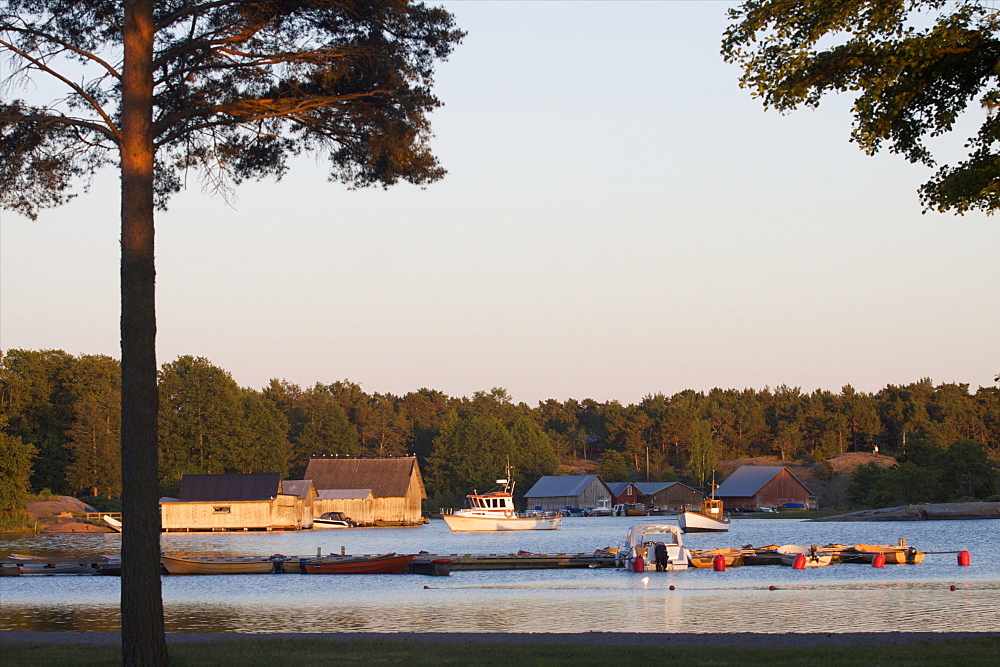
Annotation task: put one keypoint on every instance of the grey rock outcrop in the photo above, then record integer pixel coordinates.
(930, 512)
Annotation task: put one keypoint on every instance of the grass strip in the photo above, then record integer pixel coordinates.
(267, 651)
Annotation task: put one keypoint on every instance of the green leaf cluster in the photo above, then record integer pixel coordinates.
(926, 473)
(913, 68)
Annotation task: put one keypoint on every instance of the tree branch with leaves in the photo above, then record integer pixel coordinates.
(914, 68)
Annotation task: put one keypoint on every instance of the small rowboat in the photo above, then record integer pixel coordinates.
(767, 555)
(210, 565)
(814, 557)
(42, 565)
(704, 558)
(383, 564)
(893, 555)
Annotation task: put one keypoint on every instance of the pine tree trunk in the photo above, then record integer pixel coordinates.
(143, 638)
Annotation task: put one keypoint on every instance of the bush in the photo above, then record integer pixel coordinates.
(16, 522)
(102, 504)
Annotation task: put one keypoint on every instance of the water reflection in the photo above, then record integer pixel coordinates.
(842, 598)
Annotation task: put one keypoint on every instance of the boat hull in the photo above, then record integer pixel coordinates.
(696, 522)
(178, 565)
(387, 564)
(460, 523)
(866, 553)
(706, 558)
(813, 558)
(326, 525)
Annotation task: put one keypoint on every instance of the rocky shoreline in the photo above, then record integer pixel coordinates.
(929, 512)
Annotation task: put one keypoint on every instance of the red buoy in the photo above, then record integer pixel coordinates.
(719, 563)
(671, 587)
(954, 587)
(772, 588)
(878, 560)
(800, 562)
(964, 559)
(638, 564)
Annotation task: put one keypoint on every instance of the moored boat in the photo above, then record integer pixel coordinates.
(112, 523)
(43, 565)
(654, 547)
(220, 565)
(704, 558)
(813, 555)
(894, 555)
(381, 564)
(333, 520)
(709, 518)
(766, 555)
(494, 511)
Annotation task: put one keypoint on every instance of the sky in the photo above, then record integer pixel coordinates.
(619, 220)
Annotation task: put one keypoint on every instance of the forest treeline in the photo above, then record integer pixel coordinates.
(62, 412)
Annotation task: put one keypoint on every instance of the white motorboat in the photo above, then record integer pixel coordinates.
(333, 520)
(654, 547)
(603, 508)
(709, 518)
(494, 511)
(112, 523)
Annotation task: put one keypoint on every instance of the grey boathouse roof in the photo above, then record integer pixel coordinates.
(556, 486)
(746, 481)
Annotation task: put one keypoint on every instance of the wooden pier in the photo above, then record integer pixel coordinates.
(526, 561)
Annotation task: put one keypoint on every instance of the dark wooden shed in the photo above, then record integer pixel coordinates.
(751, 487)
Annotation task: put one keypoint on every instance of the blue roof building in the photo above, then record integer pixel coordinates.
(554, 492)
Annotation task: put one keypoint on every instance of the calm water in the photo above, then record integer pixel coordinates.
(839, 598)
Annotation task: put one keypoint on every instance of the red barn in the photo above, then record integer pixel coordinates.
(750, 487)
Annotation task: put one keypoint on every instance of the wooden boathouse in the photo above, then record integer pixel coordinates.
(751, 487)
(554, 492)
(231, 502)
(395, 489)
(669, 495)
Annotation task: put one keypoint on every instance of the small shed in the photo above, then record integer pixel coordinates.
(750, 487)
(396, 486)
(357, 504)
(669, 495)
(252, 501)
(554, 492)
(624, 493)
(305, 491)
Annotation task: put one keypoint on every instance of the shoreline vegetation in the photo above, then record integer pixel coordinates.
(595, 648)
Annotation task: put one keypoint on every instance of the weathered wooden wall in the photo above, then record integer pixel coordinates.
(282, 513)
(675, 497)
(588, 498)
(359, 510)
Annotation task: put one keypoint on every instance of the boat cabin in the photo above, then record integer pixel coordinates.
(712, 507)
(491, 501)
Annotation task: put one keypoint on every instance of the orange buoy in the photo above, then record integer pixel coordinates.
(954, 587)
(772, 588)
(719, 563)
(800, 562)
(878, 560)
(964, 559)
(638, 564)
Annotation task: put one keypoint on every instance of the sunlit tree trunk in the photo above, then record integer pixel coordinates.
(143, 639)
